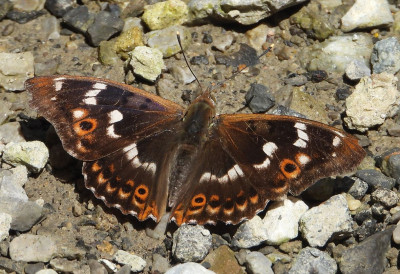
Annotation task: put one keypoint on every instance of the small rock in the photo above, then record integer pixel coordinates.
(367, 14)
(104, 26)
(165, 14)
(385, 196)
(393, 166)
(312, 260)
(23, 17)
(96, 267)
(16, 68)
(366, 229)
(257, 263)
(160, 263)
(51, 28)
(374, 99)
(352, 203)
(158, 232)
(32, 248)
(11, 132)
(107, 53)
(358, 189)
(356, 70)
(34, 268)
(259, 35)
(166, 41)
(79, 18)
(128, 40)
(386, 56)
(250, 233)
(223, 42)
(33, 155)
(189, 268)
(375, 178)
(64, 265)
(5, 225)
(222, 261)
(147, 62)
(259, 99)
(110, 266)
(368, 255)
(137, 264)
(59, 7)
(183, 75)
(396, 234)
(307, 105)
(46, 271)
(191, 243)
(5, 7)
(322, 223)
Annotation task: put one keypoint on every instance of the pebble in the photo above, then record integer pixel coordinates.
(182, 75)
(337, 52)
(259, 99)
(358, 189)
(147, 62)
(5, 113)
(250, 233)
(357, 69)
(33, 248)
(259, 35)
(369, 254)
(16, 68)
(160, 263)
(189, 268)
(96, 267)
(137, 264)
(191, 243)
(46, 271)
(59, 7)
(321, 223)
(367, 14)
(33, 155)
(393, 166)
(158, 232)
(396, 234)
(166, 41)
(223, 42)
(128, 40)
(11, 132)
(312, 260)
(307, 105)
(222, 261)
(385, 196)
(104, 26)
(5, 7)
(257, 263)
(375, 178)
(386, 56)
(374, 99)
(281, 222)
(352, 203)
(165, 14)
(51, 28)
(64, 265)
(5, 225)
(34, 268)
(79, 18)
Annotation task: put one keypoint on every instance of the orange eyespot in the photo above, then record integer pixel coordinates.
(199, 200)
(85, 126)
(289, 168)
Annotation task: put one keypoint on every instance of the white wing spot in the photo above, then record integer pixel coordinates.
(54, 98)
(336, 141)
(90, 101)
(334, 154)
(111, 132)
(300, 126)
(205, 177)
(264, 164)
(152, 168)
(77, 114)
(304, 159)
(224, 179)
(269, 148)
(239, 171)
(115, 116)
(302, 135)
(300, 143)
(92, 92)
(99, 86)
(59, 85)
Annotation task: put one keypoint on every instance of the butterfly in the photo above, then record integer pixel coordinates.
(145, 155)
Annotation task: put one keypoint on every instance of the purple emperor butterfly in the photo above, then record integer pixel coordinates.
(144, 154)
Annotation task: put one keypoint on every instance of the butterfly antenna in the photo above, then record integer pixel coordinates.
(178, 36)
(243, 67)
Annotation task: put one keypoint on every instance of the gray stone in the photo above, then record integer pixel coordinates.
(329, 220)
(357, 69)
(189, 268)
(51, 28)
(104, 26)
(250, 233)
(312, 260)
(385, 196)
(183, 75)
(375, 178)
(358, 189)
(137, 264)
(15, 69)
(367, 14)
(33, 155)
(396, 234)
(191, 243)
(96, 267)
(5, 225)
(79, 18)
(374, 99)
(367, 256)
(5, 114)
(11, 132)
(64, 265)
(59, 7)
(223, 42)
(160, 263)
(158, 232)
(243, 12)
(46, 271)
(147, 62)
(393, 166)
(386, 56)
(259, 99)
(257, 263)
(165, 40)
(32, 248)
